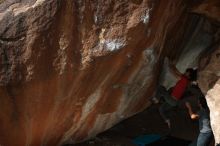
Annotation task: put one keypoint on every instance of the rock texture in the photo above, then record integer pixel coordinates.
(209, 73)
(70, 69)
(214, 103)
(209, 80)
(209, 8)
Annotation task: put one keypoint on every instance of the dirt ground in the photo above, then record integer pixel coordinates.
(146, 122)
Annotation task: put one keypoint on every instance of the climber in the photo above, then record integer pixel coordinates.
(193, 89)
(196, 92)
(205, 133)
(175, 94)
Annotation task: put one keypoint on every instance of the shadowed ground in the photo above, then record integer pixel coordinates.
(149, 121)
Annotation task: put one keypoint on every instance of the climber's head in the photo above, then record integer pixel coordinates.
(191, 74)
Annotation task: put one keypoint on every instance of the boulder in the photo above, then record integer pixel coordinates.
(70, 69)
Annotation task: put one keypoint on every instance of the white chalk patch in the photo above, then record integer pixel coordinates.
(108, 45)
(145, 18)
(113, 45)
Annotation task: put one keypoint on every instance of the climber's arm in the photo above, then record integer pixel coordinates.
(193, 116)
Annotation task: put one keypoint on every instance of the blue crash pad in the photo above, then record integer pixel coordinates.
(146, 139)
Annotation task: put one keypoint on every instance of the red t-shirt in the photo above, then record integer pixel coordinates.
(180, 87)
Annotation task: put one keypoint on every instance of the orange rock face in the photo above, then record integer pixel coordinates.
(72, 68)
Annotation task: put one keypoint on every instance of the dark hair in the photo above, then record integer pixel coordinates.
(203, 103)
(192, 74)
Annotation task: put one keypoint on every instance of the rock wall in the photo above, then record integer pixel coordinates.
(209, 81)
(210, 9)
(209, 66)
(214, 103)
(70, 69)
